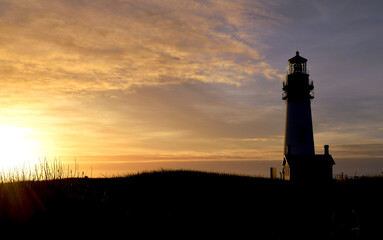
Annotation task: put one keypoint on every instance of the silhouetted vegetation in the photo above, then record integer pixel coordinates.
(187, 204)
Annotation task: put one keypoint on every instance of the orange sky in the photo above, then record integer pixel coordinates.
(195, 79)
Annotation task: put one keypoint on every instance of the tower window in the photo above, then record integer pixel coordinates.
(297, 68)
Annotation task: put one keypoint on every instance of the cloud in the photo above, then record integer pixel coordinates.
(367, 151)
(104, 45)
(194, 118)
(197, 116)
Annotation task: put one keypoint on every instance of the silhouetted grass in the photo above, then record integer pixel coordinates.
(43, 169)
(191, 204)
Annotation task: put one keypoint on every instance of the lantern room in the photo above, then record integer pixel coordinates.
(297, 64)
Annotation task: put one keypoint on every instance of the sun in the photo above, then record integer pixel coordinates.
(19, 147)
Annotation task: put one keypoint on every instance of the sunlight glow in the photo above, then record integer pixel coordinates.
(18, 147)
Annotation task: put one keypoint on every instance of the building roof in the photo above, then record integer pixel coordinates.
(297, 59)
(308, 160)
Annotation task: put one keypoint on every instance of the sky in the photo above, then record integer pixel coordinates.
(119, 83)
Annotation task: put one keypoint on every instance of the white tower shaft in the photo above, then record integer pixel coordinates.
(299, 138)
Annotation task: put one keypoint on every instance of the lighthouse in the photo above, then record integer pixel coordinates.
(300, 161)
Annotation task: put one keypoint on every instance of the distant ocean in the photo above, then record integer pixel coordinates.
(119, 166)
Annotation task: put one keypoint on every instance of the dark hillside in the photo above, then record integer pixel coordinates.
(187, 204)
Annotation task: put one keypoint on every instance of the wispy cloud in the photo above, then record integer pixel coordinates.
(366, 151)
(101, 45)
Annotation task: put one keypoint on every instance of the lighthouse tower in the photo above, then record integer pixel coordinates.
(299, 138)
(300, 161)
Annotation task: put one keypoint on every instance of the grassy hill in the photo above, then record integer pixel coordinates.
(186, 204)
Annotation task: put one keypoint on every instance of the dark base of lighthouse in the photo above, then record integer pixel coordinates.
(307, 167)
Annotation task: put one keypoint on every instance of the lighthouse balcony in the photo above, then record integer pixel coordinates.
(291, 71)
(284, 95)
(311, 84)
(312, 95)
(294, 95)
